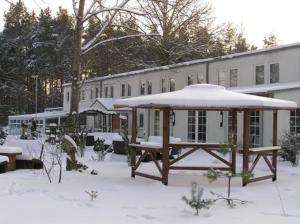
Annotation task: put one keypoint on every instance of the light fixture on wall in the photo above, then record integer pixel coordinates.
(172, 118)
(222, 119)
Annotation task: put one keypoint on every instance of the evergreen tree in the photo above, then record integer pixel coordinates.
(15, 49)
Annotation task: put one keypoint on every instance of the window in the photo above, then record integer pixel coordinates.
(190, 80)
(128, 90)
(163, 85)
(123, 90)
(200, 78)
(68, 96)
(260, 74)
(82, 95)
(141, 120)
(104, 124)
(106, 92)
(201, 126)
(222, 79)
(196, 126)
(233, 77)
(109, 125)
(274, 73)
(295, 123)
(97, 93)
(149, 87)
(111, 91)
(255, 129)
(92, 94)
(156, 123)
(142, 88)
(172, 84)
(191, 126)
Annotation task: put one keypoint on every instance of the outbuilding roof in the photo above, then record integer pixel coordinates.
(205, 96)
(266, 88)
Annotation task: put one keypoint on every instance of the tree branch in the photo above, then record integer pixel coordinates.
(111, 9)
(117, 38)
(105, 25)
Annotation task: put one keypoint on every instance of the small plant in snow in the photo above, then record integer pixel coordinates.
(92, 194)
(213, 175)
(94, 172)
(99, 149)
(196, 202)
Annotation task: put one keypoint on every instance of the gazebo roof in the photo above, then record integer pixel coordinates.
(205, 96)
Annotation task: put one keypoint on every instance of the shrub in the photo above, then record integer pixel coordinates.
(290, 148)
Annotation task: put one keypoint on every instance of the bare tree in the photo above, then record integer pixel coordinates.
(185, 27)
(106, 12)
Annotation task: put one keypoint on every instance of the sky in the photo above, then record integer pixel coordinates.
(257, 18)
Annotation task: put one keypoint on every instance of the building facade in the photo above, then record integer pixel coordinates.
(272, 72)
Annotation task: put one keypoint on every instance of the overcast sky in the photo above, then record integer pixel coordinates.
(257, 17)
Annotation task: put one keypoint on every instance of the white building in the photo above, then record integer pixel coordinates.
(50, 115)
(272, 72)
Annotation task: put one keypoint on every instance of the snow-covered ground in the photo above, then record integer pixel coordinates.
(27, 196)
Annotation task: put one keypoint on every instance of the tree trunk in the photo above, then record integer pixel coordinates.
(76, 65)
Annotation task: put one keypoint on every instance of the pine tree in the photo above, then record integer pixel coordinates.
(196, 202)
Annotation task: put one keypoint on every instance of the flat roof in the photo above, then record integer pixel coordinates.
(266, 88)
(194, 62)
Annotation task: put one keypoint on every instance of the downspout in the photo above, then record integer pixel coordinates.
(100, 90)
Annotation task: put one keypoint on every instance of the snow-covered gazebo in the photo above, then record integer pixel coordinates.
(211, 98)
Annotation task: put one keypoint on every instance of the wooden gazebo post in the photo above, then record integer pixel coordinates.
(234, 139)
(165, 149)
(133, 140)
(246, 137)
(274, 156)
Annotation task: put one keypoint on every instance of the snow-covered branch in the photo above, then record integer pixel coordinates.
(111, 9)
(89, 44)
(118, 38)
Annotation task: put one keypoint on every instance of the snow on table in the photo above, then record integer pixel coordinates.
(10, 149)
(4, 159)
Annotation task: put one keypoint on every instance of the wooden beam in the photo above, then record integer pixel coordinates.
(234, 139)
(255, 162)
(246, 137)
(133, 141)
(183, 156)
(198, 168)
(148, 176)
(166, 139)
(260, 178)
(274, 153)
(218, 157)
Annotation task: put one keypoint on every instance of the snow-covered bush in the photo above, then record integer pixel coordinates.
(290, 148)
(99, 149)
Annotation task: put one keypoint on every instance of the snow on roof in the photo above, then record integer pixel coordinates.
(266, 88)
(193, 62)
(44, 115)
(205, 96)
(95, 110)
(108, 103)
